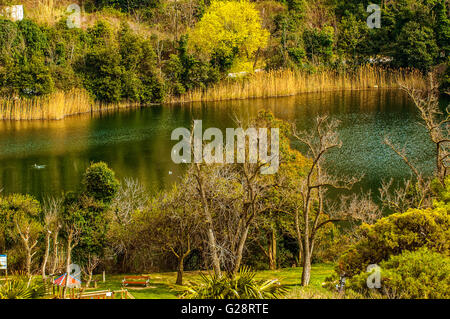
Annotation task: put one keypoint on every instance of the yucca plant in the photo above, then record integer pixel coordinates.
(21, 287)
(243, 285)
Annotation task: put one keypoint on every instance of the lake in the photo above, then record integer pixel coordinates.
(136, 142)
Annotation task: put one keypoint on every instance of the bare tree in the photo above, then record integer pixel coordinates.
(231, 196)
(175, 224)
(88, 268)
(410, 194)
(72, 241)
(72, 231)
(212, 242)
(52, 225)
(254, 187)
(312, 214)
(29, 231)
(55, 250)
(418, 193)
(266, 230)
(435, 122)
(130, 197)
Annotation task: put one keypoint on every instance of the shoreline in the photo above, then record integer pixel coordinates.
(283, 83)
(130, 107)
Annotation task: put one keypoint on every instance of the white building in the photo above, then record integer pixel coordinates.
(15, 13)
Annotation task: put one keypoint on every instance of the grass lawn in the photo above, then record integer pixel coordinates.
(162, 284)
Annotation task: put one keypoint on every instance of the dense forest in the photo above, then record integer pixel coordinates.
(144, 51)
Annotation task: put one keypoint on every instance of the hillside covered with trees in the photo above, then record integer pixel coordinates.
(146, 51)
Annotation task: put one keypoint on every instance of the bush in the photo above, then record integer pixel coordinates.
(103, 74)
(19, 287)
(11, 39)
(100, 182)
(416, 47)
(32, 77)
(123, 5)
(396, 233)
(419, 274)
(241, 286)
(120, 67)
(319, 44)
(35, 38)
(11, 206)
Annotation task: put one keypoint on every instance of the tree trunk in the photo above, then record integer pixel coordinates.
(28, 261)
(55, 252)
(47, 252)
(256, 58)
(209, 221)
(306, 272)
(180, 270)
(300, 256)
(213, 249)
(240, 250)
(69, 252)
(88, 282)
(299, 238)
(273, 250)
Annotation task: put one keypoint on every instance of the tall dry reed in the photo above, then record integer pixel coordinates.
(289, 82)
(55, 106)
(58, 105)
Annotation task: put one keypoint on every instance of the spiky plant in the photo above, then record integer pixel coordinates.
(21, 287)
(243, 285)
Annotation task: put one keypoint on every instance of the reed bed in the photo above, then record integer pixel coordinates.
(290, 82)
(55, 106)
(58, 105)
(44, 11)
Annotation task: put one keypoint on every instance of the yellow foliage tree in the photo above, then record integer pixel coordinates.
(231, 28)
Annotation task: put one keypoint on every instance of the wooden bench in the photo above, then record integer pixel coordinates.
(135, 280)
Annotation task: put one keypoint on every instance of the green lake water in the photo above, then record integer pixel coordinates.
(136, 143)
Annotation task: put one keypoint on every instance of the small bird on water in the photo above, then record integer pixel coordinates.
(36, 166)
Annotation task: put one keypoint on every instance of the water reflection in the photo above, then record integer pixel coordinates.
(136, 143)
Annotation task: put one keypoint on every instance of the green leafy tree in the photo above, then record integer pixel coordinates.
(352, 37)
(173, 70)
(442, 28)
(229, 29)
(20, 216)
(416, 47)
(173, 223)
(36, 40)
(185, 72)
(100, 182)
(32, 77)
(101, 187)
(85, 217)
(103, 74)
(319, 44)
